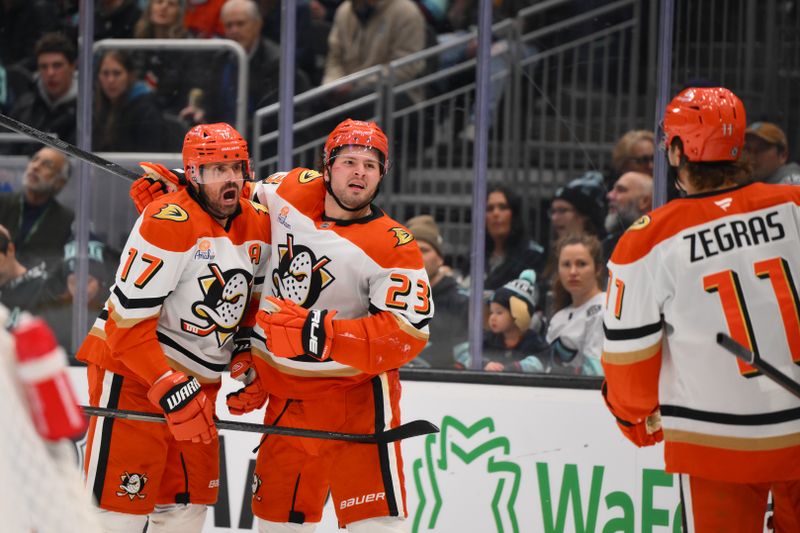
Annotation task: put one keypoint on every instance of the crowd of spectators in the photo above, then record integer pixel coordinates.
(335, 38)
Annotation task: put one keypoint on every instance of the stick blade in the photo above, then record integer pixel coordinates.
(407, 431)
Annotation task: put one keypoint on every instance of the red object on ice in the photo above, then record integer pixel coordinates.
(42, 368)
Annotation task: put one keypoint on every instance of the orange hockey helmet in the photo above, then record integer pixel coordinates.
(710, 121)
(357, 133)
(213, 143)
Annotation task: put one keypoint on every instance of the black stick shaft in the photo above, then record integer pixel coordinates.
(67, 148)
(764, 367)
(404, 431)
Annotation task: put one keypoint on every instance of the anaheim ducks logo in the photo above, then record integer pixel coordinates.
(172, 212)
(402, 235)
(132, 485)
(262, 209)
(300, 275)
(222, 308)
(308, 176)
(641, 223)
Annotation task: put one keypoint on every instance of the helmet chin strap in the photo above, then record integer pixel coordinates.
(672, 175)
(339, 202)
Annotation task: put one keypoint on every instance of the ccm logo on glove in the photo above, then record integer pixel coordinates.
(180, 395)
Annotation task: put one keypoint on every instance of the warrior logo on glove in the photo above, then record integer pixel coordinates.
(222, 309)
(300, 276)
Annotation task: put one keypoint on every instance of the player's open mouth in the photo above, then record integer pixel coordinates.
(358, 186)
(230, 194)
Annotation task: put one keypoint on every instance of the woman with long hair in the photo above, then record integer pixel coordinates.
(126, 117)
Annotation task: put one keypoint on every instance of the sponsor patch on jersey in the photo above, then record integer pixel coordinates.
(204, 251)
(642, 223)
(172, 212)
(402, 235)
(308, 176)
(132, 485)
(282, 216)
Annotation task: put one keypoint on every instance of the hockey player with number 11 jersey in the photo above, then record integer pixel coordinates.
(722, 259)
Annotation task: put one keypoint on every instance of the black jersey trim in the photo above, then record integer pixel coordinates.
(632, 333)
(163, 339)
(756, 419)
(138, 303)
(383, 449)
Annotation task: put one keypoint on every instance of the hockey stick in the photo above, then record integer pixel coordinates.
(762, 366)
(67, 148)
(404, 431)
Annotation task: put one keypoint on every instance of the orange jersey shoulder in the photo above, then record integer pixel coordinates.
(385, 241)
(681, 214)
(302, 188)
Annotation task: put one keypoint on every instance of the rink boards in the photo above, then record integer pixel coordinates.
(508, 458)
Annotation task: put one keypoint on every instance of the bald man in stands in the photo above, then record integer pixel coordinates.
(629, 199)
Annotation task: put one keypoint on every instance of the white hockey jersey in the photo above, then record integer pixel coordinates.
(716, 262)
(185, 286)
(575, 336)
(369, 270)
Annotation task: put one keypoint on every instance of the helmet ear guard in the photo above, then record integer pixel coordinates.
(709, 121)
(213, 143)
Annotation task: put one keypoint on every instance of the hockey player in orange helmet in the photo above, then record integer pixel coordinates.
(721, 259)
(180, 310)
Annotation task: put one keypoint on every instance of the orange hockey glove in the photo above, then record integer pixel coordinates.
(156, 181)
(254, 395)
(190, 416)
(646, 433)
(293, 330)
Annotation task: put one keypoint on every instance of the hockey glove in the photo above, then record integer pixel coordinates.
(190, 416)
(254, 395)
(644, 433)
(293, 330)
(156, 181)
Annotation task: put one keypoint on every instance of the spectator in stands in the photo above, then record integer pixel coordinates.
(39, 223)
(323, 10)
(579, 206)
(271, 30)
(575, 332)
(58, 311)
(449, 326)
(22, 24)
(170, 74)
(115, 19)
(510, 344)
(767, 150)
(202, 19)
(508, 249)
(366, 33)
(21, 288)
(633, 153)
(242, 23)
(126, 116)
(629, 199)
(51, 106)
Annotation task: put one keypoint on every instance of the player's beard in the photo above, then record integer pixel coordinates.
(215, 206)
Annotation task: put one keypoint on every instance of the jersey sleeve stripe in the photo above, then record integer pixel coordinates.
(632, 333)
(165, 340)
(129, 322)
(755, 419)
(629, 358)
(137, 303)
(732, 443)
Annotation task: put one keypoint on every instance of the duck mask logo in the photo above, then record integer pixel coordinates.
(300, 275)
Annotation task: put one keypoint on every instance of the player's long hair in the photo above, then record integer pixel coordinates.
(709, 175)
(561, 297)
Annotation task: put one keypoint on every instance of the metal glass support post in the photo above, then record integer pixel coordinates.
(666, 19)
(84, 172)
(286, 87)
(479, 163)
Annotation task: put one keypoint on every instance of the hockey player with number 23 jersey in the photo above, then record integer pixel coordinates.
(725, 258)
